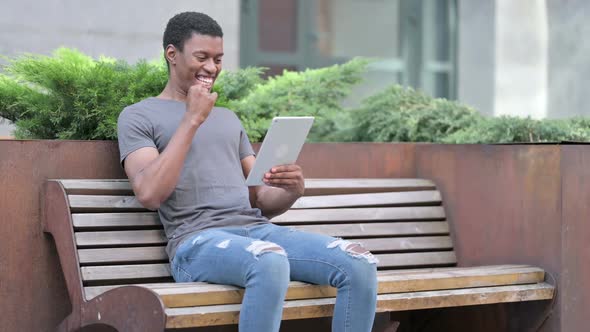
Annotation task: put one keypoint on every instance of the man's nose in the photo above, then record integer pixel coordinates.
(210, 67)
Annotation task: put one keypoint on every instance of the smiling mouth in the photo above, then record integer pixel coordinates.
(205, 81)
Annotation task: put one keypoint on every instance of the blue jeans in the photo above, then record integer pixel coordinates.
(264, 258)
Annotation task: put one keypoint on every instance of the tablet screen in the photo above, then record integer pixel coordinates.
(281, 145)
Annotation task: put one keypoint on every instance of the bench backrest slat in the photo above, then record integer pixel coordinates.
(293, 217)
(402, 221)
(120, 239)
(84, 221)
(356, 214)
(122, 255)
(429, 197)
(157, 253)
(121, 273)
(312, 186)
(86, 203)
(379, 229)
(125, 238)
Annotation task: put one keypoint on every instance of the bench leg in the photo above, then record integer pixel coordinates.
(393, 323)
(392, 327)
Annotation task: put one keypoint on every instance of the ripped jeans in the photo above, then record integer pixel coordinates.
(264, 258)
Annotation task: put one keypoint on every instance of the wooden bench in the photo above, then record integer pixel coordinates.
(112, 254)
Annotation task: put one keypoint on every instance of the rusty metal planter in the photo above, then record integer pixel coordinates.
(516, 203)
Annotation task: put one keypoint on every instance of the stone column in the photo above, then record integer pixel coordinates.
(569, 58)
(475, 54)
(521, 54)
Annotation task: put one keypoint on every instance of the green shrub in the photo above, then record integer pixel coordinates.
(401, 114)
(72, 96)
(509, 129)
(313, 92)
(236, 85)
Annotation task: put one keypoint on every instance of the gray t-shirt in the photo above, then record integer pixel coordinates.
(211, 190)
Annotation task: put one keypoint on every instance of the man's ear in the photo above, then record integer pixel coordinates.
(170, 54)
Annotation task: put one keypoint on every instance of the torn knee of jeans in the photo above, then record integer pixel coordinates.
(258, 248)
(354, 249)
(195, 240)
(223, 244)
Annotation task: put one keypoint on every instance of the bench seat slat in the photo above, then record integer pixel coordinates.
(138, 271)
(417, 274)
(313, 186)
(312, 308)
(149, 237)
(199, 293)
(152, 253)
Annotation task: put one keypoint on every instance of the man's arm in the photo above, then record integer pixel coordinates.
(285, 184)
(154, 176)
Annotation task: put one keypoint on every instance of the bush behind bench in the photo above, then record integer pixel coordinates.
(70, 95)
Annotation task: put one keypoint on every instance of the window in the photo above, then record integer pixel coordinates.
(412, 41)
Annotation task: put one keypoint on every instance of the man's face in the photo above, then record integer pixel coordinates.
(199, 62)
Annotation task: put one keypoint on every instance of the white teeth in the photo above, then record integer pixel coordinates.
(207, 80)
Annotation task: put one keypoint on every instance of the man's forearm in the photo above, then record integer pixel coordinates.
(274, 201)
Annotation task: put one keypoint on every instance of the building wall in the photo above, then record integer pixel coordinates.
(502, 59)
(524, 58)
(475, 55)
(129, 30)
(521, 51)
(569, 58)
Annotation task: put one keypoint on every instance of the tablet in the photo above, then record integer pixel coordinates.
(281, 146)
